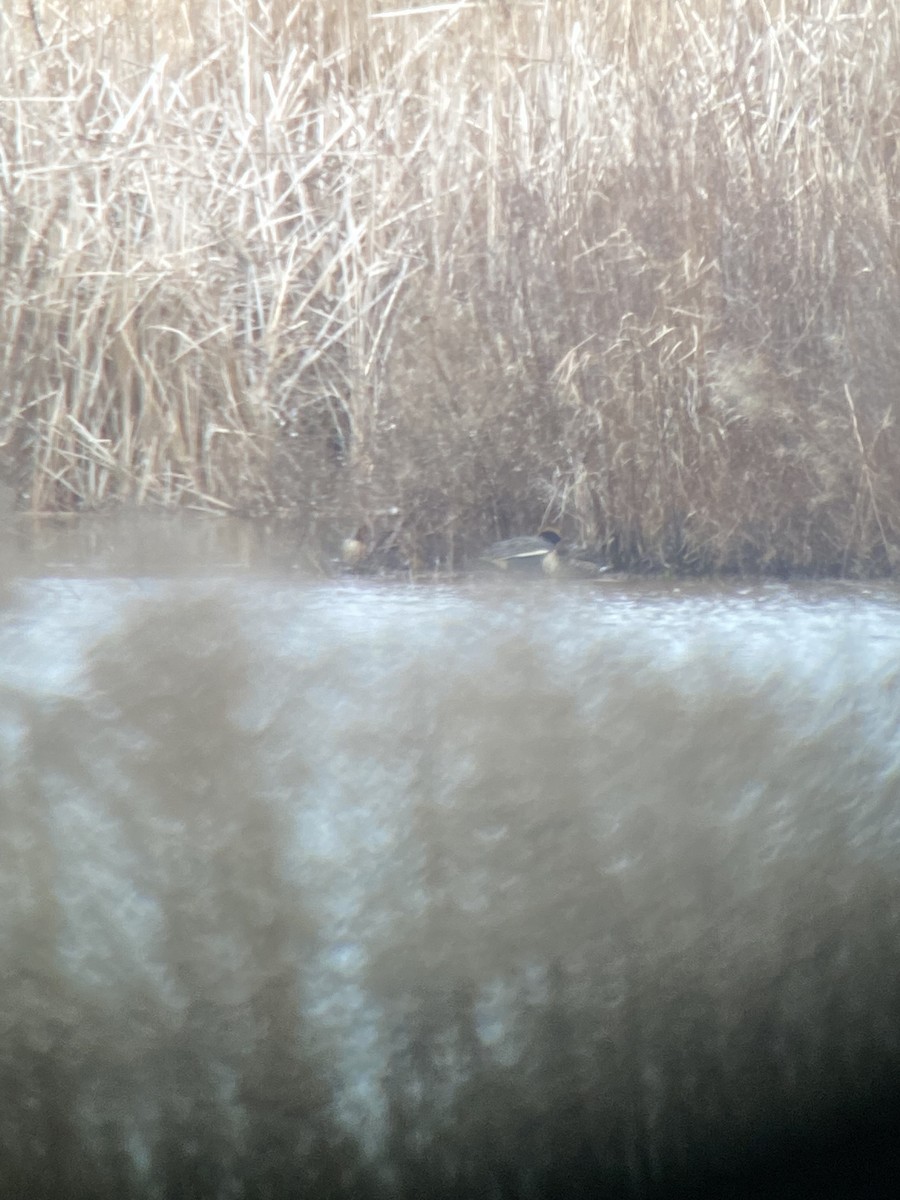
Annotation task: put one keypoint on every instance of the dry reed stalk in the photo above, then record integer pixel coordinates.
(469, 262)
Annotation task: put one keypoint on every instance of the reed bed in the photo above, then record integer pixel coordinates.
(455, 269)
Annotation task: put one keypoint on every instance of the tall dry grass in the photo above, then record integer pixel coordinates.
(632, 267)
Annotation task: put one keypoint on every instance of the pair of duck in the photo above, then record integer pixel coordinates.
(544, 552)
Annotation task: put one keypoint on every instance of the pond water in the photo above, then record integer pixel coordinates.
(364, 888)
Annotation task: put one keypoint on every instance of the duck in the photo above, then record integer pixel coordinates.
(527, 553)
(573, 566)
(364, 554)
(354, 548)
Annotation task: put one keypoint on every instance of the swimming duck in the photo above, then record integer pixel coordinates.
(364, 554)
(573, 566)
(354, 548)
(527, 552)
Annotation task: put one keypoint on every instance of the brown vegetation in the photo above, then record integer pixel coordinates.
(635, 268)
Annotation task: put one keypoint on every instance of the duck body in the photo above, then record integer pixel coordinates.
(354, 549)
(363, 554)
(526, 553)
(573, 567)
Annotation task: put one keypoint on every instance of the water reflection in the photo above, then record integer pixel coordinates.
(355, 889)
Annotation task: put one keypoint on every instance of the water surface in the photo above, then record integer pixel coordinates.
(366, 888)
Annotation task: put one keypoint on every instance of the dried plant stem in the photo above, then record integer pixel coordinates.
(468, 265)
